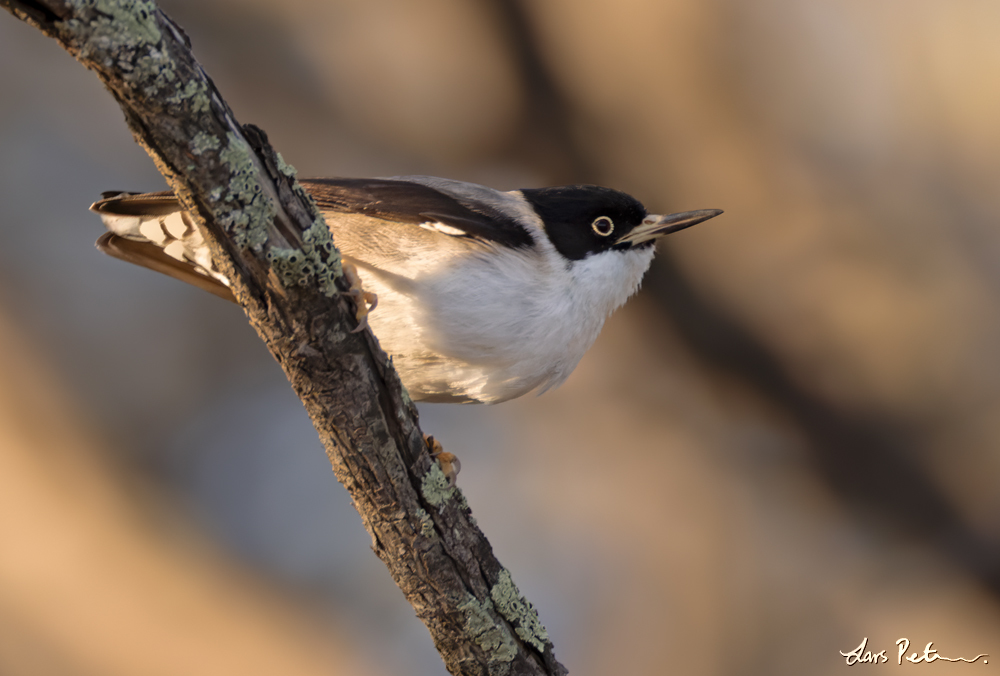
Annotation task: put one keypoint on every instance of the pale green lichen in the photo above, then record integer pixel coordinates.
(316, 263)
(254, 211)
(196, 92)
(291, 266)
(121, 23)
(435, 486)
(518, 611)
(154, 70)
(480, 626)
(317, 243)
(126, 30)
(285, 168)
(202, 142)
(426, 523)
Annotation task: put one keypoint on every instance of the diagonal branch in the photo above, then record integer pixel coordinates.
(267, 236)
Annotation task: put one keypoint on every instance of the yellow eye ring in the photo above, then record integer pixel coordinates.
(603, 226)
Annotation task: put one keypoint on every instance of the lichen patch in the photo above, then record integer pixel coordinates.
(518, 611)
(250, 210)
(480, 626)
(435, 486)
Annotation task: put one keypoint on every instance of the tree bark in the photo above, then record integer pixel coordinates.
(269, 239)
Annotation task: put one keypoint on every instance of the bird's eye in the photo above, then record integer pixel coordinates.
(603, 226)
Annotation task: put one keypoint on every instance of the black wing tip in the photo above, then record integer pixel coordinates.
(111, 196)
(124, 203)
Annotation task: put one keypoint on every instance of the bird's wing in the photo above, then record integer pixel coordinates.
(149, 228)
(409, 202)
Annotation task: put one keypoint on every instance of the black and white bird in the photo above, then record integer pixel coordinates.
(483, 295)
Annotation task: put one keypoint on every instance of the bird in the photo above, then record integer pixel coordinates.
(483, 295)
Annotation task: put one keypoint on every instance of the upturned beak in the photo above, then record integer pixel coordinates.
(657, 226)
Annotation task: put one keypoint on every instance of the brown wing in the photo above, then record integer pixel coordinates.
(403, 201)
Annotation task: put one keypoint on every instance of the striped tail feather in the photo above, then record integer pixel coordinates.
(151, 230)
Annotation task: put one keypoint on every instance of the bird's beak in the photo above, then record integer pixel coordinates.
(656, 226)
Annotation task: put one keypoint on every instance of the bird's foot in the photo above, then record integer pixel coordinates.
(450, 464)
(364, 301)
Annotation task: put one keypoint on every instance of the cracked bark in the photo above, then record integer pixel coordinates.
(253, 212)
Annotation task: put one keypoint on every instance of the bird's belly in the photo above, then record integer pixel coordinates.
(455, 339)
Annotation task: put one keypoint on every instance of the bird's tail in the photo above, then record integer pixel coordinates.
(152, 230)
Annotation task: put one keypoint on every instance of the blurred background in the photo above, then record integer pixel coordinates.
(786, 443)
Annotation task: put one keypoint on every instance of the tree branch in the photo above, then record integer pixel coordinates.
(269, 239)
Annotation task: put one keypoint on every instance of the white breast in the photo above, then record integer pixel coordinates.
(501, 323)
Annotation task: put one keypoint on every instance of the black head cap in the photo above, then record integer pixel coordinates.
(585, 219)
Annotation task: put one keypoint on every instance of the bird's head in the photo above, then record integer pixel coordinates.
(584, 220)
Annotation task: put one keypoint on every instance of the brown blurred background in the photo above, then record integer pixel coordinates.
(786, 443)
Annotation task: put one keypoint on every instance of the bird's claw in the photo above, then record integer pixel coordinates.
(364, 301)
(449, 462)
